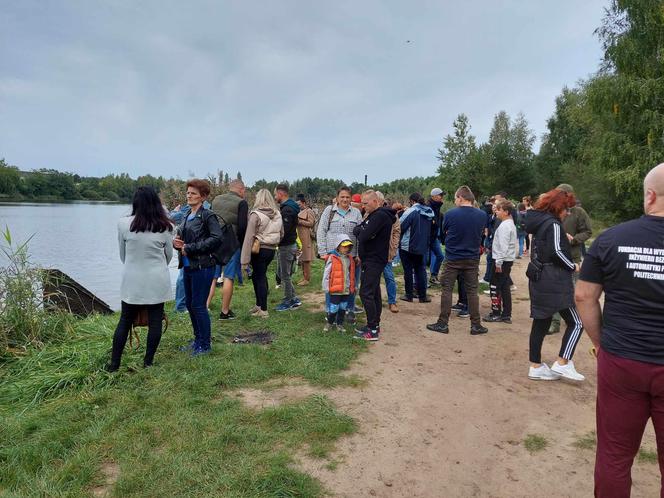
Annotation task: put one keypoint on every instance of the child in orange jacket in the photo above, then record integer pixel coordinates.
(339, 281)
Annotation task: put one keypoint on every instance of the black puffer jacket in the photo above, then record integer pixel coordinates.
(202, 236)
(554, 291)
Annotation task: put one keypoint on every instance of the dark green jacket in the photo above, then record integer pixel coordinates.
(577, 224)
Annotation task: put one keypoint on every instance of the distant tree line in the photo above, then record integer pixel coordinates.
(604, 135)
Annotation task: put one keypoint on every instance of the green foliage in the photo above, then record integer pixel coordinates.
(9, 179)
(535, 443)
(24, 321)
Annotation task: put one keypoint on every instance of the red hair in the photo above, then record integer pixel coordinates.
(555, 202)
(203, 186)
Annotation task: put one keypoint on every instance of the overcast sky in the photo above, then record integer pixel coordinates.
(276, 89)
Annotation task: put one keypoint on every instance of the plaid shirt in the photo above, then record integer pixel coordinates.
(328, 229)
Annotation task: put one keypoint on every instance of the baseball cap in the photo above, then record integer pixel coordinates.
(356, 198)
(346, 243)
(437, 191)
(566, 187)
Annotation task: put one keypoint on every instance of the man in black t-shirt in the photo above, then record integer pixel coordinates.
(626, 262)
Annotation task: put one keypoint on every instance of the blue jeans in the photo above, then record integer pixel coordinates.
(180, 304)
(489, 267)
(196, 290)
(436, 255)
(390, 284)
(522, 241)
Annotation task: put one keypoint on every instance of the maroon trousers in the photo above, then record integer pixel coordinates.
(629, 392)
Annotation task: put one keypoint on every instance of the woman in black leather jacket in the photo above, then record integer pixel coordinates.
(198, 236)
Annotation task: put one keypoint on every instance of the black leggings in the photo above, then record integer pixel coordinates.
(259, 264)
(155, 315)
(527, 242)
(570, 339)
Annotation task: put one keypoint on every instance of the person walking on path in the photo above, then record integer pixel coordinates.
(373, 236)
(578, 229)
(504, 254)
(339, 282)
(197, 238)
(264, 231)
(628, 334)
(232, 209)
(388, 272)
(306, 219)
(462, 228)
(145, 241)
(436, 255)
(340, 218)
(287, 247)
(414, 247)
(550, 284)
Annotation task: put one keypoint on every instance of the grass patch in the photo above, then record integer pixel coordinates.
(172, 430)
(534, 443)
(586, 442)
(647, 456)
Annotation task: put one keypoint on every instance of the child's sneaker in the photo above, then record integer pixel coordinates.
(340, 328)
(327, 327)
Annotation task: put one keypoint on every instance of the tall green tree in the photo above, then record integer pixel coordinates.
(9, 179)
(459, 157)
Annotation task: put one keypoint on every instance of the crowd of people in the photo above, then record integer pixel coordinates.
(362, 237)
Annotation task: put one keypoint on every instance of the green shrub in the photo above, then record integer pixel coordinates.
(24, 319)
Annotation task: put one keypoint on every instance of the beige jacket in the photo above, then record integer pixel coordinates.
(306, 219)
(394, 240)
(256, 228)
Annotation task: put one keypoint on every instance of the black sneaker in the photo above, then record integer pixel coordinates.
(227, 316)
(458, 307)
(506, 319)
(492, 318)
(463, 314)
(425, 299)
(439, 327)
(434, 280)
(407, 298)
(478, 329)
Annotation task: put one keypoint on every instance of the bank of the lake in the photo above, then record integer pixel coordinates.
(79, 238)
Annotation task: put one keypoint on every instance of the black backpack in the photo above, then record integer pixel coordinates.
(229, 243)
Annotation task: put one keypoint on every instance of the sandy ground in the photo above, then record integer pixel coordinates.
(447, 415)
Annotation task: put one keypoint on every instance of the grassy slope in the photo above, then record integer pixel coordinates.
(173, 430)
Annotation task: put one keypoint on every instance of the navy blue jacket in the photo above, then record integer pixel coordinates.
(416, 229)
(463, 228)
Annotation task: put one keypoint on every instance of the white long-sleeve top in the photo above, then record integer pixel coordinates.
(504, 242)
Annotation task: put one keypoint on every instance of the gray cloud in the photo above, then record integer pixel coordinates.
(276, 89)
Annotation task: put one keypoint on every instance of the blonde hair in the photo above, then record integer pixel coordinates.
(265, 200)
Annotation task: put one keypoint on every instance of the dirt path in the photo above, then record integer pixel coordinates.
(447, 415)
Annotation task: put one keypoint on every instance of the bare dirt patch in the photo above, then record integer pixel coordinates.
(448, 415)
(111, 473)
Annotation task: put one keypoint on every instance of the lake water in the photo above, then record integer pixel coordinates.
(79, 239)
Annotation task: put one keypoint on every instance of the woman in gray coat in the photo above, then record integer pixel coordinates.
(145, 240)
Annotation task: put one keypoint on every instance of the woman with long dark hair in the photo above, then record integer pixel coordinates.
(198, 236)
(550, 285)
(145, 240)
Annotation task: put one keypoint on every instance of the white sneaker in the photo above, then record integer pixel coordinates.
(543, 372)
(327, 327)
(482, 281)
(567, 371)
(487, 292)
(513, 288)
